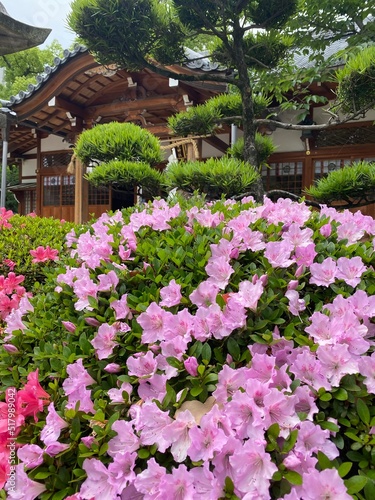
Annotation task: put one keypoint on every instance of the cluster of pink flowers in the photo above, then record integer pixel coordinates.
(226, 436)
(19, 405)
(5, 215)
(44, 254)
(10, 293)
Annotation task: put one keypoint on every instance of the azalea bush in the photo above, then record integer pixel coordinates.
(220, 350)
(22, 234)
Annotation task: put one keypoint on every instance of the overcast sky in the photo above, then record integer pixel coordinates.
(43, 14)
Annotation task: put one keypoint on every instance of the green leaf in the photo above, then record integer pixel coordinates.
(355, 484)
(290, 441)
(323, 461)
(233, 348)
(363, 411)
(344, 468)
(143, 453)
(195, 391)
(206, 352)
(293, 477)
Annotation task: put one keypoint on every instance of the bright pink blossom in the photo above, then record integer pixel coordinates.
(42, 254)
(323, 274)
(104, 341)
(350, 270)
(25, 488)
(31, 455)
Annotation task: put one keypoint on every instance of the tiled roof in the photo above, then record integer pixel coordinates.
(43, 77)
(196, 61)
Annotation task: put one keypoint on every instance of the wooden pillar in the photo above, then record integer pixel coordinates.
(81, 191)
(39, 178)
(81, 197)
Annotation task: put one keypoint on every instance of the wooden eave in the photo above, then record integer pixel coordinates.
(85, 90)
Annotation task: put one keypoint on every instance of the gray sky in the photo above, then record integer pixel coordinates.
(43, 14)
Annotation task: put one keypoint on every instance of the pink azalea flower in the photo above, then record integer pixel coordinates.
(25, 488)
(246, 417)
(32, 397)
(5, 215)
(278, 253)
(229, 382)
(54, 424)
(112, 368)
(326, 230)
(171, 294)
(150, 424)
(323, 274)
(191, 365)
(205, 294)
(31, 455)
(221, 460)
(97, 484)
(154, 387)
(305, 255)
(148, 481)
(296, 305)
(142, 364)
(121, 308)
(42, 254)
(177, 433)
(78, 377)
(309, 370)
(323, 484)
(337, 362)
(205, 441)
(298, 237)
(153, 322)
(350, 270)
(366, 366)
(206, 485)
(126, 439)
(178, 485)
(53, 449)
(312, 438)
(122, 470)
(219, 271)
(104, 342)
(249, 294)
(107, 282)
(253, 467)
(116, 396)
(350, 231)
(69, 326)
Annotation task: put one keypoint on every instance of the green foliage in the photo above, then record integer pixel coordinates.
(125, 175)
(27, 233)
(215, 177)
(352, 182)
(21, 68)
(128, 32)
(206, 119)
(12, 179)
(356, 89)
(263, 144)
(118, 141)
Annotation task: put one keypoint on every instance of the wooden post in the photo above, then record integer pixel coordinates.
(81, 194)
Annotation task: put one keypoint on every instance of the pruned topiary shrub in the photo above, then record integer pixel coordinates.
(118, 141)
(124, 175)
(263, 144)
(351, 185)
(219, 351)
(215, 177)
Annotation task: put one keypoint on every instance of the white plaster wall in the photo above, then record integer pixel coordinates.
(209, 151)
(28, 168)
(53, 143)
(321, 117)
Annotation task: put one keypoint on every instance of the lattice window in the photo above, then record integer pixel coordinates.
(67, 190)
(324, 167)
(53, 160)
(51, 190)
(342, 136)
(29, 202)
(98, 196)
(286, 176)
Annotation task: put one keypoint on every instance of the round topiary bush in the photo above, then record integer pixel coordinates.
(215, 177)
(218, 351)
(118, 141)
(125, 175)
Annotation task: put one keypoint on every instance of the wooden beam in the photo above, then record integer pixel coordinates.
(217, 143)
(67, 106)
(116, 108)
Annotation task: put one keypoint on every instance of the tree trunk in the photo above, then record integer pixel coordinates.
(249, 128)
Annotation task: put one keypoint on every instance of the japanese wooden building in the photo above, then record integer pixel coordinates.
(77, 93)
